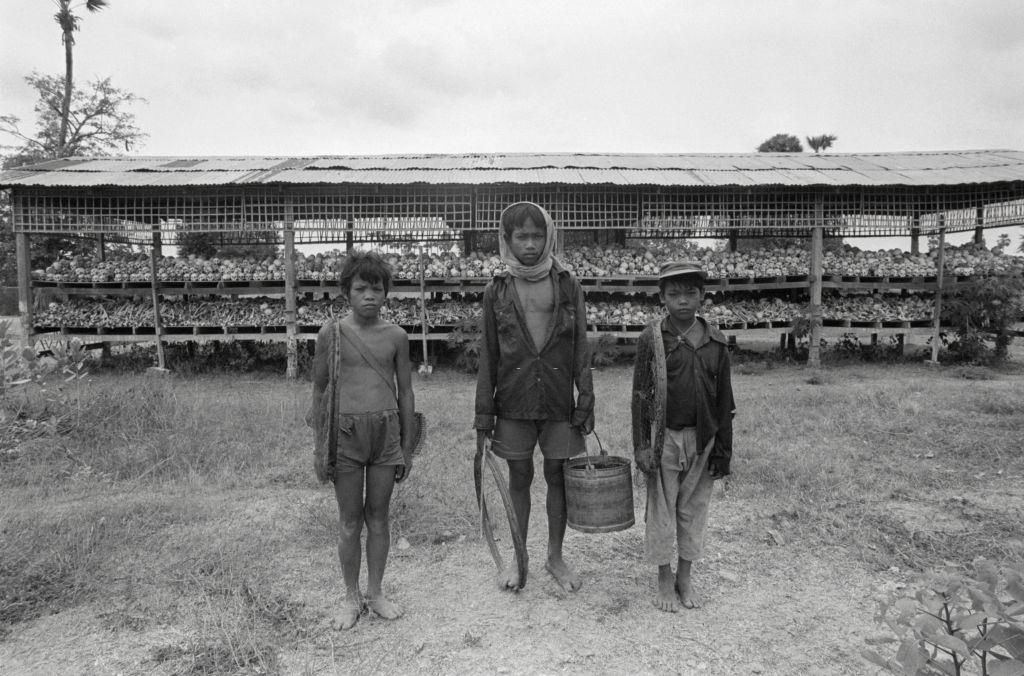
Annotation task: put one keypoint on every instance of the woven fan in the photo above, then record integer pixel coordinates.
(502, 535)
(421, 431)
(649, 392)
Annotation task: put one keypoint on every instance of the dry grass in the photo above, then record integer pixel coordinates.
(192, 503)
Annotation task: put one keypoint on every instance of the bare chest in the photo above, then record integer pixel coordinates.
(536, 297)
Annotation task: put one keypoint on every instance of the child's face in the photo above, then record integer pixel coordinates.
(527, 242)
(365, 298)
(682, 299)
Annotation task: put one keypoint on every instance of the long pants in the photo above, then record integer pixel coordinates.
(675, 523)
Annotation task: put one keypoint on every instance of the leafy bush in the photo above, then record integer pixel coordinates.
(957, 623)
(605, 351)
(465, 340)
(37, 395)
(983, 309)
(214, 357)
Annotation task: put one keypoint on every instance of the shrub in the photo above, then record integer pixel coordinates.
(465, 340)
(955, 621)
(983, 309)
(605, 351)
(37, 395)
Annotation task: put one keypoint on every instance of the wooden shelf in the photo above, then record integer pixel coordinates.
(612, 284)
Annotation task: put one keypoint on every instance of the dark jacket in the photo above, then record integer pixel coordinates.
(515, 378)
(713, 391)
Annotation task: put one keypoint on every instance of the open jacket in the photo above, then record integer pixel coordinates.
(713, 391)
(520, 380)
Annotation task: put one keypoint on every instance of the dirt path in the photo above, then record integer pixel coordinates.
(770, 608)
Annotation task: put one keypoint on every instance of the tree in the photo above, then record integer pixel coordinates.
(198, 243)
(97, 122)
(68, 22)
(823, 142)
(781, 143)
(99, 125)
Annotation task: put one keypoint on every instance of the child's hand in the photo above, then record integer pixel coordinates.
(646, 461)
(481, 437)
(718, 467)
(402, 471)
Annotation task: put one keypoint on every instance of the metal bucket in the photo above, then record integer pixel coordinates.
(598, 493)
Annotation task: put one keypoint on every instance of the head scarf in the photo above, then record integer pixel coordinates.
(540, 269)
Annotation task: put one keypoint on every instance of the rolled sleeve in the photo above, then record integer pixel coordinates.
(581, 363)
(487, 368)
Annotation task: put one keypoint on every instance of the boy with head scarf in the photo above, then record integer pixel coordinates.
(534, 353)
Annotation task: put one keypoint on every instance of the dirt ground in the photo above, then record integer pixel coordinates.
(769, 608)
(772, 604)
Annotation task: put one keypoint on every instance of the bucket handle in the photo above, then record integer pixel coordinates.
(590, 467)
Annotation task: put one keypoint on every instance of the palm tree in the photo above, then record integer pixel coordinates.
(68, 22)
(819, 143)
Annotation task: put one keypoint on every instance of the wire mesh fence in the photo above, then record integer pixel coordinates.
(259, 213)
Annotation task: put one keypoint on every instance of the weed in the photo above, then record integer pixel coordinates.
(605, 351)
(465, 339)
(956, 621)
(973, 373)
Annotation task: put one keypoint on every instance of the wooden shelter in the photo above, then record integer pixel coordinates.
(355, 199)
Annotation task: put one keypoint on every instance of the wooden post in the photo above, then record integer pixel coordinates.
(425, 368)
(915, 235)
(290, 286)
(733, 241)
(937, 317)
(154, 285)
(24, 257)
(979, 225)
(101, 249)
(817, 237)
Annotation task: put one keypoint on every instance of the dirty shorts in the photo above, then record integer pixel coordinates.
(516, 439)
(364, 439)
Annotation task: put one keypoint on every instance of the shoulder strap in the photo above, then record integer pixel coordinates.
(367, 356)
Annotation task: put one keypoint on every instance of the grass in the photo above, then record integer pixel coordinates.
(192, 502)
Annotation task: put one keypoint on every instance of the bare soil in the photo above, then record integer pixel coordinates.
(769, 607)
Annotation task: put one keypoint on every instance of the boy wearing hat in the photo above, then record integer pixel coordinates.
(698, 414)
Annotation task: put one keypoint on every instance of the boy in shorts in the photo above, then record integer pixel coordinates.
(699, 409)
(362, 378)
(534, 353)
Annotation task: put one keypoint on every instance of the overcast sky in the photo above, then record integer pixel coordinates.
(335, 77)
(316, 77)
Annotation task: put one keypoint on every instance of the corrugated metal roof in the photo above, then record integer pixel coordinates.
(663, 170)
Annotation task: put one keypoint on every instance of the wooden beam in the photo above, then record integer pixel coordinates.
(817, 258)
(24, 259)
(941, 262)
(154, 286)
(290, 285)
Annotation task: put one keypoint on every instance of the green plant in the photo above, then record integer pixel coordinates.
(958, 623)
(982, 309)
(604, 351)
(34, 395)
(466, 339)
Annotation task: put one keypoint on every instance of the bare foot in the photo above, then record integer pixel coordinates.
(666, 598)
(349, 613)
(687, 596)
(508, 579)
(565, 576)
(383, 608)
